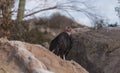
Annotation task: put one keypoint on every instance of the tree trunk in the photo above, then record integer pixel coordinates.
(21, 8)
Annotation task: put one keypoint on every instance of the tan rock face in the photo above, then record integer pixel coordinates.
(20, 57)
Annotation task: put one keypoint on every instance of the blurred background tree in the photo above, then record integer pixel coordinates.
(7, 12)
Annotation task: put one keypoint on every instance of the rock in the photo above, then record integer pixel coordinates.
(96, 52)
(46, 45)
(21, 57)
(80, 29)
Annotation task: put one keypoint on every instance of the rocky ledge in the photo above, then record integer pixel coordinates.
(21, 57)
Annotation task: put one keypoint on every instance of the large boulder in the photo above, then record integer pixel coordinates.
(21, 57)
(96, 52)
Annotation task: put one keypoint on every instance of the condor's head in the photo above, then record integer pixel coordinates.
(68, 29)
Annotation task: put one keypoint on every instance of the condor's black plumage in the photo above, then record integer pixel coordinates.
(61, 45)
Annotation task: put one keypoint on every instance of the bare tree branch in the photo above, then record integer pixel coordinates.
(72, 6)
(68, 13)
(50, 8)
(87, 10)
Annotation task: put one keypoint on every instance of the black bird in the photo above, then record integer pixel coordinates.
(62, 43)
